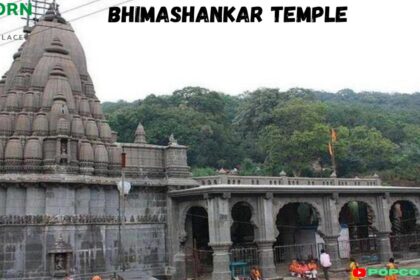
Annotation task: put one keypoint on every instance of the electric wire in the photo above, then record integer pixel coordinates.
(74, 19)
(65, 11)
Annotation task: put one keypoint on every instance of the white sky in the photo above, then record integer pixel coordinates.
(377, 49)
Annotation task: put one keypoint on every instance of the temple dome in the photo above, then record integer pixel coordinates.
(23, 124)
(12, 102)
(40, 124)
(5, 124)
(92, 132)
(33, 149)
(54, 55)
(31, 102)
(97, 109)
(77, 128)
(86, 153)
(101, 154)
(13, 155)
(84, 108)
(45, 32)
(105, 131)
(57, 83)
(32, 156)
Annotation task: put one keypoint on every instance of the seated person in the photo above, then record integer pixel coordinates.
(303, 269)
(294, 268)
(313, 268)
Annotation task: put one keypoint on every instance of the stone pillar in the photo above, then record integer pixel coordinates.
(221, 260)
(265, 237)
(180, 265)
(384, 246)
(266, 258)
(331, 247)
(384, 228)
(331, 229)
(219, 230)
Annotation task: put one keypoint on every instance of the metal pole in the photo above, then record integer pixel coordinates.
(119, 232)
(123, 216)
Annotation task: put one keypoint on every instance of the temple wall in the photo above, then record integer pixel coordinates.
(35, 217)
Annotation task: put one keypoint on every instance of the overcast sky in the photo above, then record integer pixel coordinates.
(378, 49)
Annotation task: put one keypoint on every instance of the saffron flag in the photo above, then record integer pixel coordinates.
(333, 135)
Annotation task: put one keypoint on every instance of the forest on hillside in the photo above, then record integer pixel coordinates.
(266, 131)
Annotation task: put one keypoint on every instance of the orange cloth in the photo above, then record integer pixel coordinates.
(391, 266)
(312, 266)
(294, 267)
(96, 277)
(303, 269)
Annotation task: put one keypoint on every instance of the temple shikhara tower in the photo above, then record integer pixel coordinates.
(60, 164)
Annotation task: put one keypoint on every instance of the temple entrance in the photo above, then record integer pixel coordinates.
(357, 236)
(199, 256)
(242, 231)
(403, 217)
(297, 224)
(405, 236)
(244, 249)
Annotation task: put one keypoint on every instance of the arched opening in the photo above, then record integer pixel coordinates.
(405, 236)
(242, 231)
(357, 235)
(244, 249)
(198, 253)
(403, 217)
(298, 238)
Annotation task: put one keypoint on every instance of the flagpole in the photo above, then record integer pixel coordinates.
(332, 150)
(333, 159)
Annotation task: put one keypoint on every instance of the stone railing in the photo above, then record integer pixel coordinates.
(284, 180)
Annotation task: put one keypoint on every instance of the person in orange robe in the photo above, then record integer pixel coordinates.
(313, 267)
(303, 269)
(294, 267)
(391, 265)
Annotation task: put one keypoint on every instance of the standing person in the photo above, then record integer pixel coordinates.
(96, 277)
(389, 266)
(325, 262)
(352, 266)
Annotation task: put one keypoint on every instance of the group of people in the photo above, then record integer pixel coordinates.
(309, 270)
(301, 269)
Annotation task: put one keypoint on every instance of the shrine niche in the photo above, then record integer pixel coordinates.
(60, 258)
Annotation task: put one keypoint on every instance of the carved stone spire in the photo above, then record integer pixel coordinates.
(140, 135)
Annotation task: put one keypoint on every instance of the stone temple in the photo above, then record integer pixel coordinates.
(61, 212)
